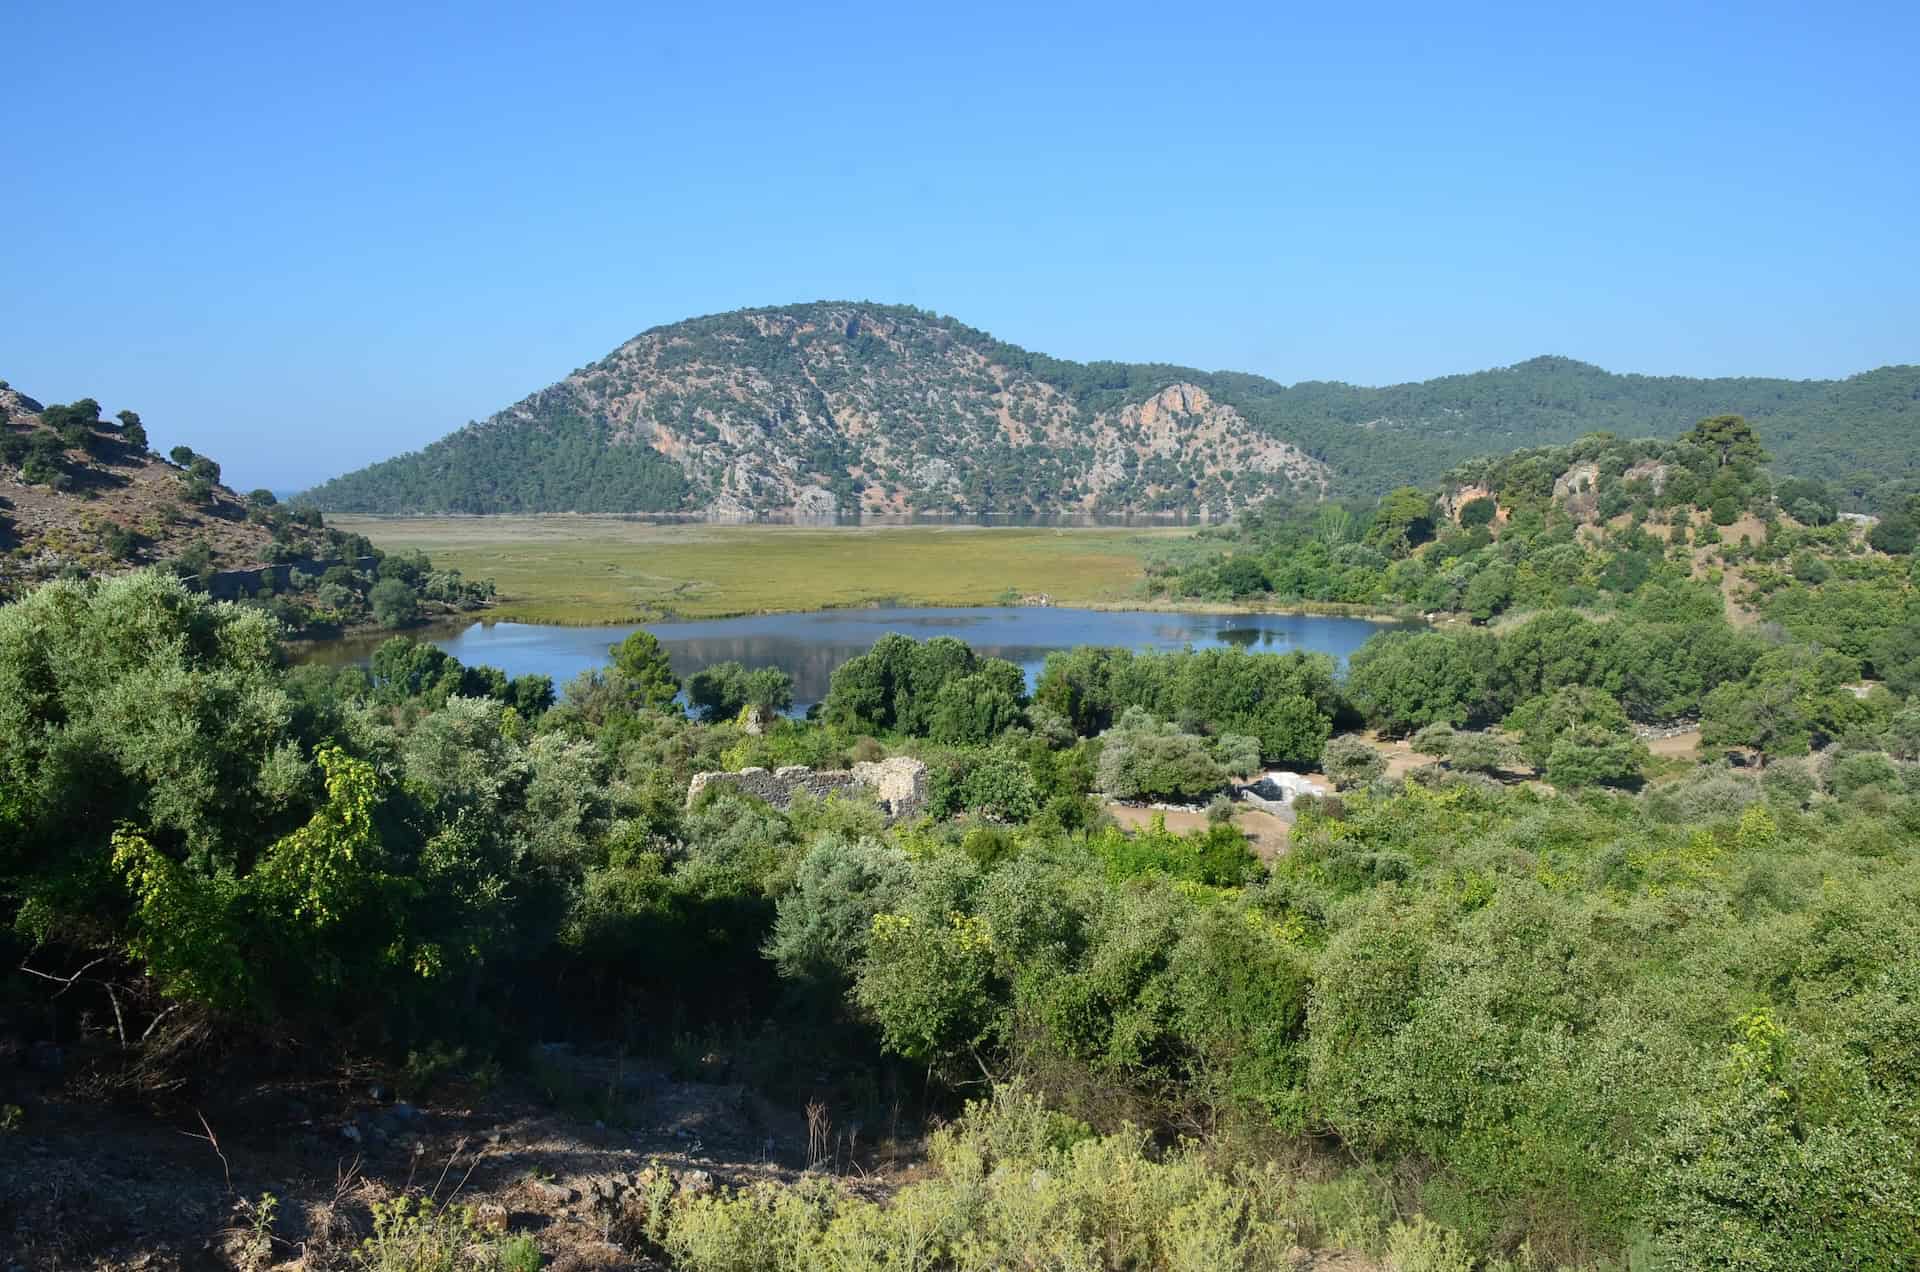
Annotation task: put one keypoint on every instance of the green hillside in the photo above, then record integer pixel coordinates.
(843, 407)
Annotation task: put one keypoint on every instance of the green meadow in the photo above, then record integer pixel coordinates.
(588, 570)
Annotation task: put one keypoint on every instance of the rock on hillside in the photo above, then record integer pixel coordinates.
(110, 504)
(837, 407)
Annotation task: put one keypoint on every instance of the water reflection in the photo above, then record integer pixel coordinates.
(810, 646)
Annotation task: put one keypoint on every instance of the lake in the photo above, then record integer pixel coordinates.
(810, 645)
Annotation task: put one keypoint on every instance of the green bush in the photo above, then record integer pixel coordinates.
(1148, 759)
(393, 603)
(1009, 1187)
(1349, 762)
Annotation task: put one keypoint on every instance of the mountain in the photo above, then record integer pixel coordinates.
(842, 406)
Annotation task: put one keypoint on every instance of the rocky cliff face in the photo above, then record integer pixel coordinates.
(852, 408)
(826, 408)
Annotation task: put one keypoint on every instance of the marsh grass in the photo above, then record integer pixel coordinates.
(592, 570)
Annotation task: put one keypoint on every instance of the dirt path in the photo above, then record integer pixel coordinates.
(1684, 746)
(1401, 758)
(1267, 832)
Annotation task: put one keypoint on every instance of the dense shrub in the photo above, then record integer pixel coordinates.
(1143, 758)
(1349, 761)
(393, 603)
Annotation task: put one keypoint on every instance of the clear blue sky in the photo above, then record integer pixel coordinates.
(303, 237)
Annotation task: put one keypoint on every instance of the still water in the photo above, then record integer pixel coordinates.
(811, 645)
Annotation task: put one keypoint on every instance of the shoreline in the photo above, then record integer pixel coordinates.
(502, 612)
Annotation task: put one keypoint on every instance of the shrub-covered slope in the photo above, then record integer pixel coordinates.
(79, 493)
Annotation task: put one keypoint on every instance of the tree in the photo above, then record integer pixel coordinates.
(1001, 786)
(1434, 739)
(1350, 762)
(393, 603)
(1729, 439)
(1478, 512)
(1242, 576)
(531, 694)
(1589, 755)
(131, 701)
(1489, 592)
(1143, 758)
(718, 691)
(1402, 522)
(643, 663)
(181, 455)
(1472, 752)
(823, 921)
(927, 983)
(1895, 535)
(1792, 698)
(1810, 501)
(1239, 753)
(769, 689)
(1559, 647)
(1896, 658)
(74, 423)
(132, 431)
(723, 690)
(1078, 683)
(977, 708)
(1545, 720)
(1403, 680)
(1333, 525)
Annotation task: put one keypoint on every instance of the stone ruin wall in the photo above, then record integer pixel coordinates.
(897, 785)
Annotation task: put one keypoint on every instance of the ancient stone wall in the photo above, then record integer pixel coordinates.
(898, 785)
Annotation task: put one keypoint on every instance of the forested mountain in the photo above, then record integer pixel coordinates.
(838, 406)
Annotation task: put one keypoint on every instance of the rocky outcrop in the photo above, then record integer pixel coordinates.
(898, 785)
(1185, 425)
(1651, 471)
(1452, 501)
(1577, 490)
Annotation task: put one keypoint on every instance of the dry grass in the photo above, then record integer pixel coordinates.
(589, 570)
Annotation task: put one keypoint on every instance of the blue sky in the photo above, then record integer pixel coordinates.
(301, 238)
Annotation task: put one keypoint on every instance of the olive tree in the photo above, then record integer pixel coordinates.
(1349, 761)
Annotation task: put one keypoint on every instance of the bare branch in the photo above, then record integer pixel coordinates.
(214, 1140)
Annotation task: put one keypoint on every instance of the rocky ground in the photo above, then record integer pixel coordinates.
(564, 1152)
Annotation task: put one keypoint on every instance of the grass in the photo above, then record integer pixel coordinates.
(592, 570)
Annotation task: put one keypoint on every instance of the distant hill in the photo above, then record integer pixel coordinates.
(83, 495)
(841, 406)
